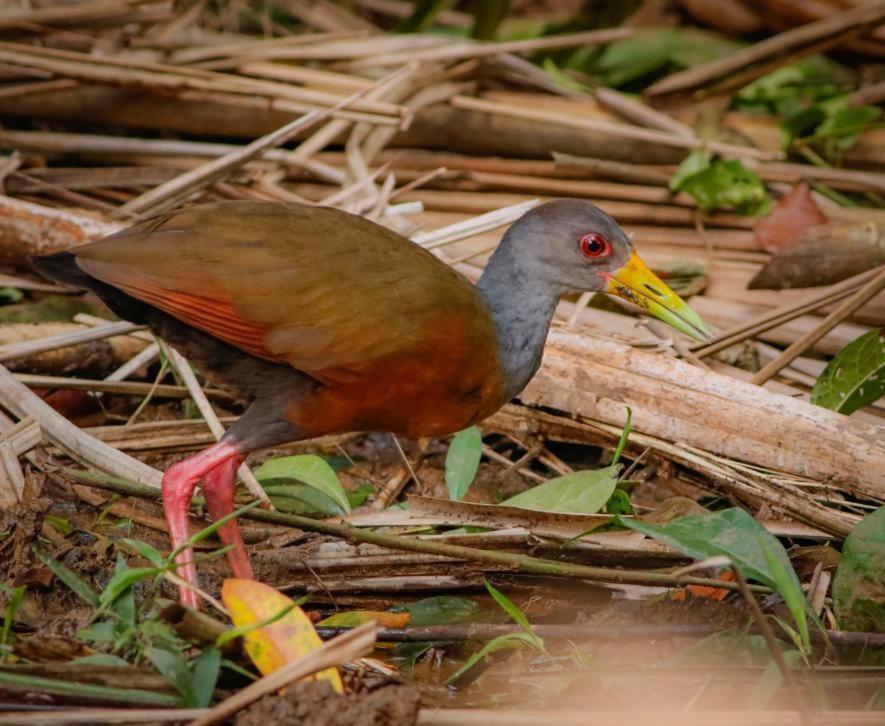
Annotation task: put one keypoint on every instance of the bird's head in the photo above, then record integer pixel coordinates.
(573, 245)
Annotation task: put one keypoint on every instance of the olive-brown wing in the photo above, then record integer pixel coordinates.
(324, 291)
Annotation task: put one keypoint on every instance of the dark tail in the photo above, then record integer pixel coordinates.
(62, 267)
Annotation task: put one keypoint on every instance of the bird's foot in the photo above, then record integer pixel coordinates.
(179, 483)
(218, 490)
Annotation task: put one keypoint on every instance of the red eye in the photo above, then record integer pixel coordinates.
(595, 245)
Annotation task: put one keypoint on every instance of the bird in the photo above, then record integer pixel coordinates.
(327, 323)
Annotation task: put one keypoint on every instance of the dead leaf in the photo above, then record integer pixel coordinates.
(793, 214)
(285, 640)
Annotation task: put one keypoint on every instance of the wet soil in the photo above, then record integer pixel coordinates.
(314, 703)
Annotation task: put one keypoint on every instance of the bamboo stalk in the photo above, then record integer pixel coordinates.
(461, 51)
(625, 131)
(840, 314)
(772, 318)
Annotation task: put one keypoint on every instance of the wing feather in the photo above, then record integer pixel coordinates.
(327, 292)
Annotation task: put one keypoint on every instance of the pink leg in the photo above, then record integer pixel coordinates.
(179, 482)
(218, 490)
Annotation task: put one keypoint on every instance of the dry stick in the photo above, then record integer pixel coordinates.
(133, 388)
(783, 314)
(840, 314)
(765, 629)
(515, 562)
(460, 51)
(867, 95)
(82, 447)
(64, 340)
(199, 396)
(139, 360)
(186, 81)
(636, 133)
(91, 716)
(639, 113)
(329, 132)
(475, 225)
(202, 176)
(868, 15)
(346, 647)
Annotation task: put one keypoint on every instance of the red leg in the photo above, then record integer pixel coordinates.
(218, 490)
(179, 482)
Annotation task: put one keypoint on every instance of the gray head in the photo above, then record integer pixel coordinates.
(569, 245)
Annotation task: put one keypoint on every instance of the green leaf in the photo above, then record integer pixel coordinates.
(101, 659)
(359, 495)
(308, 469)
(729, 185)
(10, 295)
(442, 610)
(487, 16)
(16, 595)
(105, 694)
(173, 667)
(583, 492)
(730, 532)
(206, 671)
(855, 377)
(59, 523)
(122, 581)
(124, 605)
(510, 640)
(619, 503)
(625, 434)
(104, 631)
(423, 14)
(301, 499)
(509, 607)
(694, 163)
(859, 585)
(462, 461)
(149, 552)
(207, 531)
(791, 591)
(846, 124)
(74, 582)
(800, 123)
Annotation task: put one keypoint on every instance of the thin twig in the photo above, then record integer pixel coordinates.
(840, 314)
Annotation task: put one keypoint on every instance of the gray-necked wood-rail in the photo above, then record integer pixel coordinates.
(329, 323)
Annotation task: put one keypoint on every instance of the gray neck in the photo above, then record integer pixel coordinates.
(522, 307)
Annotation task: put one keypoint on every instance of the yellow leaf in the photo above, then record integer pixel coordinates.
(358, 617)
(287, 639)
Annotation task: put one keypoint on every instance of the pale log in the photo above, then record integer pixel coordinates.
(679, 402)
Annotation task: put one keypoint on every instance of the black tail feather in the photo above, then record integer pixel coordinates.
(62, 267)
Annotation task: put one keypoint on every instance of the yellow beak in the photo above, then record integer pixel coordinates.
(637, 284)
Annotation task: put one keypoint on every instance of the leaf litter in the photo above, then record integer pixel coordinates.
(86, 584)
